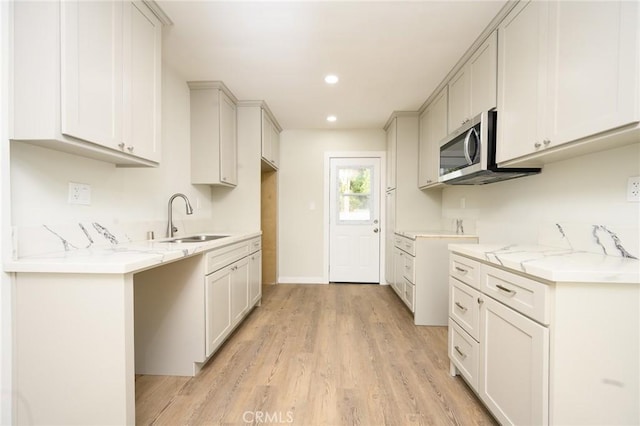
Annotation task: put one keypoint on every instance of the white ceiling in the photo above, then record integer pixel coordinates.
(388, 55)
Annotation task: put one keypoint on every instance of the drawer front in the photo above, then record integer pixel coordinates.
(463, 352)
(465, 269)
(408, 269)
(409, 295)
(464, 308)
(530, 298)
(405, 244)
(255, 244)
(223, 256)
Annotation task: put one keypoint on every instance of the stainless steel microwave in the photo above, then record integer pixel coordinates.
(468, 155)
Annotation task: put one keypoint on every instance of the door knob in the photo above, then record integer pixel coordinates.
(375, 230)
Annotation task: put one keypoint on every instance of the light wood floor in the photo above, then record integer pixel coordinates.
(319, 355)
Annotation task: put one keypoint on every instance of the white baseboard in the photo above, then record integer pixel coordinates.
(301, 280)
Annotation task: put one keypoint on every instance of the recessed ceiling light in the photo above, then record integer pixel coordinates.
(331, 79)
(332, 118)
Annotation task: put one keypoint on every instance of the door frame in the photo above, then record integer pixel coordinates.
(382, 155)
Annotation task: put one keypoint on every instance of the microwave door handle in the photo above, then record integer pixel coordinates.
(466, 145)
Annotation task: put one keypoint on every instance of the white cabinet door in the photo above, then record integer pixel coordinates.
(228, 141)
(275, 146)
(390, 219)
(392, 149)
(92, 74)
(514, 365)
(473, 89)
(142, 81)
(459, 100)
(522, 82)
(217, 292)
(593, 68)
(398, 269)
(433, 128)
(239, 290)
(255, 277)
(483, 76)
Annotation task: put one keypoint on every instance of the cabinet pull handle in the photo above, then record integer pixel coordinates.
(121, 145)
(130, 148)
(546, 142)
(462, 308)
(480, 301)
(506, 290)
(459, 269)
(462, 354)
(537, 144)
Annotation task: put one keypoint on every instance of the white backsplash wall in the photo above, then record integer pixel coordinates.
(127, 198)
(575, 194)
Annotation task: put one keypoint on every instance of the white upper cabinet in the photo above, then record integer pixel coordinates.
(142, 66)
(270, 140)
(86, 79)
(473, 88)
(214, 146)
(433, 128)
(567, 71)
(392, 149)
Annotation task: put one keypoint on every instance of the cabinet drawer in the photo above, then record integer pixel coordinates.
(464, 308)
(465, 269)
(408, 270)
(463, 352)
(530, 298)
(255, 245)
(223, 256)
(409, 246)
(409, 294)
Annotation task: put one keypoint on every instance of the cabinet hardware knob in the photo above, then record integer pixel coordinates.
(537, 144)
(480, 301)
(546, 142)
(429, 181)
(462, 354)
(459, 269)
(506, 290)
(130, 148)
(375, 230)
(121, 145)
(459, 305)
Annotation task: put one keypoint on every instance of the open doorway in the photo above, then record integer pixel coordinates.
(269, 225)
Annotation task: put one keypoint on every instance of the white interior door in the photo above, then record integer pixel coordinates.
(354, 220)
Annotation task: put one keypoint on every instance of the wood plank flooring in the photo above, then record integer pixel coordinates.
(319, 355)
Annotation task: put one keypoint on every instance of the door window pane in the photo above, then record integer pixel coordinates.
(354, 196)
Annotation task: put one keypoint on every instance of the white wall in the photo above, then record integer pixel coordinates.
(577, 193)
(301, 196)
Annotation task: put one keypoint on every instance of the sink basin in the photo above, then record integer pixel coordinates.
(196, 239)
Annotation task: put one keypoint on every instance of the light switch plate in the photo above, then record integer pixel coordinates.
(79, 193)
(633, 189)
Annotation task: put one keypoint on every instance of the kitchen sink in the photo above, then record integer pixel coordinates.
(196, 239)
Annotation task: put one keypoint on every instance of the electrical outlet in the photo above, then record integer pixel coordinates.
(79, 193)
(633, 189)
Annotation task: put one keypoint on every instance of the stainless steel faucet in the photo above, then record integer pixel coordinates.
(170, 228)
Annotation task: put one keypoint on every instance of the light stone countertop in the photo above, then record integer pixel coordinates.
(555, 264)
(121, 258)
(434, 234)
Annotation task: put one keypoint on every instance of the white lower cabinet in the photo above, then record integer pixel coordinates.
(217, 294)
(419, 278)
(185, 310)
(540, 353)
(239, 289)
(514, 365)
(255, 278)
